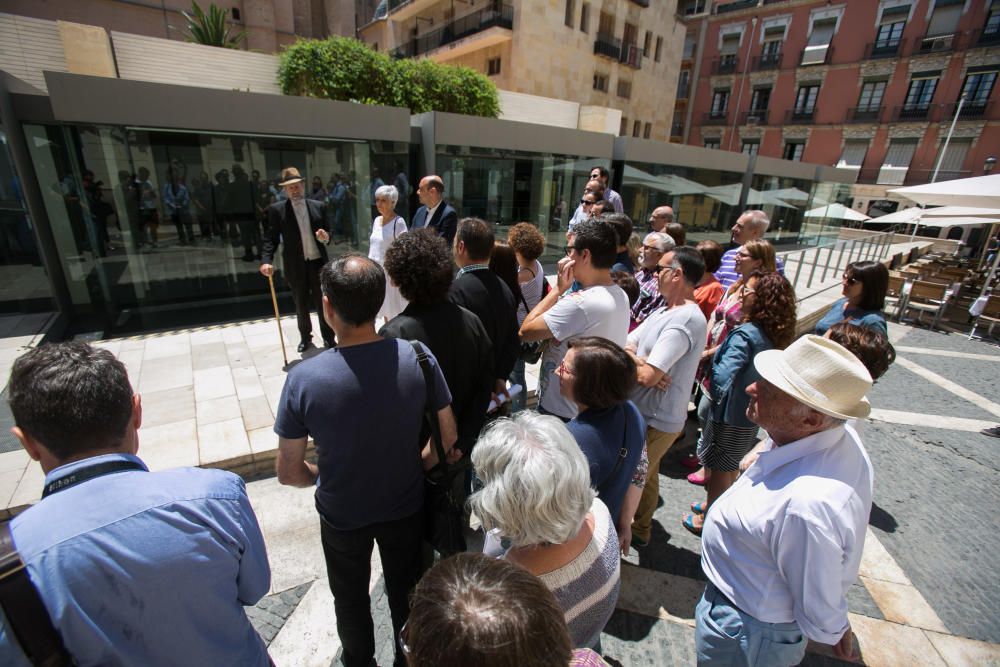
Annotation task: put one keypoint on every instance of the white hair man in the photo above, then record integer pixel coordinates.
(654, 246)
(537, 494)
(783, 545)
(750, 225)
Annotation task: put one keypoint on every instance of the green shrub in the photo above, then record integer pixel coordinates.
(340, 68)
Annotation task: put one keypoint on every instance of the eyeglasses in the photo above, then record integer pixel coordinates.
(563, 368)
(745, 255)
(568, 249)
(649, 248)
(402, 640)
(585, 202)
(850, 280)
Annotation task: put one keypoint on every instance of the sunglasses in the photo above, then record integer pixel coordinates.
(649, 248)
(585, 202)
(850, 280)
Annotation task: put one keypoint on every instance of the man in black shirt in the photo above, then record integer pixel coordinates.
(485, 294)
(420, 265)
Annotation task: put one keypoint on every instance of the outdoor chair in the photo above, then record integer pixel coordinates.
(991, 313)
(927, 297)
(896, 295)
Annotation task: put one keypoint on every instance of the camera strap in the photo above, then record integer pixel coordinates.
(90, 472)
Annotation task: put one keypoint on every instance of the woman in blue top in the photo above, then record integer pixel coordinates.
(865, 285)
(599, 376)
(768, 323)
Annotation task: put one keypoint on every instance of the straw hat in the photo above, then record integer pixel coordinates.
(820, 373)
(290, 175)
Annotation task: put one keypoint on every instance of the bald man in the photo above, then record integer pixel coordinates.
(660, 218)
(435, 212)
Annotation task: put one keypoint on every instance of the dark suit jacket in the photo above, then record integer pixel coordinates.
(445, 221)
(282, 226)
(490, 299)
(460, 344)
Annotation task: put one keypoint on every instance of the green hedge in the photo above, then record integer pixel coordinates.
(340, 68)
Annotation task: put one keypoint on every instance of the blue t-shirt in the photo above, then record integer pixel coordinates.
(839, 312)
(601, 434)
(363, 405)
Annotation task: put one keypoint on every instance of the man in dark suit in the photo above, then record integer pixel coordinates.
(435, 212)
(300, 223)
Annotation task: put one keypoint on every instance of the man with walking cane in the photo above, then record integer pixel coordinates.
(301, 224)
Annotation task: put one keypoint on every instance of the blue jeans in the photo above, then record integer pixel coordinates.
(725, 635)
(517, 377)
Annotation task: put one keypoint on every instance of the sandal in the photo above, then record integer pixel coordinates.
(696, 479)
(698, 507)
(688, 522)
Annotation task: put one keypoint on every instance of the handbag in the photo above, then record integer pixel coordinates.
(443, 506)
(531, 352)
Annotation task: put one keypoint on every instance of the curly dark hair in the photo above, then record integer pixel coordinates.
(773, 308)
(419, 263)
(525, 238)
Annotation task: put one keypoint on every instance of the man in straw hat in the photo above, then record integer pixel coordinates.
(301, 224)
(781, 547)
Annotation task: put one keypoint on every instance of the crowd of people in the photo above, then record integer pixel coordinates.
(420, 357)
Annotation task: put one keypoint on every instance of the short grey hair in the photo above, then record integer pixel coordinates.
(659, 240)
(387, 192)
(536, 480)
(757, 218)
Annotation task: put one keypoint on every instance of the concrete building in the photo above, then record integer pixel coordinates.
(269, 24)
(614, 58)
(869, 86)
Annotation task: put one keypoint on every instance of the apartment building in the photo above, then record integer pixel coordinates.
(269, 24)
(870, 86)
(615, 58)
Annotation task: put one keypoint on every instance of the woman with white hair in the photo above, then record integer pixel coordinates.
(536, 494)
(386, 227)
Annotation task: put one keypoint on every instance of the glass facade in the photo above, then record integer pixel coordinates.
(507, 187)
(149, 223)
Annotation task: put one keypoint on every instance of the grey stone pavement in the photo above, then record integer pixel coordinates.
(929, 590)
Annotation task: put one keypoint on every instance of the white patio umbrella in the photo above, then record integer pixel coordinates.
(837, 211)
(981, 191)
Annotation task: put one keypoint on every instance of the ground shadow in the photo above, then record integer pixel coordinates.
(882, 520)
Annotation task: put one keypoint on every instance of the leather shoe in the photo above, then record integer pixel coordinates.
(304, 345)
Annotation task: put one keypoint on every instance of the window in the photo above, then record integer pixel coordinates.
(493, 66)
(623, 128)
(601, 82)
(729, 52)
(585, 17)
(606, 24)
(805, 101)
(819, 41)
(711, 143)
(944, 20)
(624, 89)
(760, 99)
(920, 94)
(773, 37)
(871, 96)
(977, 88)
(793, 150)
(992, 27)
(897, 162)
(683, 84)
(236, 14)
(647, 130)
(954, 158)
(647, 44)
(751, 147)
(636, 128)
(890, 29)
(720, 103)
(677, 129)
(659, 49)
(690, 41)
(853, 156)
(570, 11)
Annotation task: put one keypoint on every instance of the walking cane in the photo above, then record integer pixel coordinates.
(277, 318)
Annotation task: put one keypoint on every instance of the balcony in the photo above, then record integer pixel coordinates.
(754, 117)
(864, 115)
(641, 3)
(983, 38)
(735, 6)
(402, 10)
(608, 46)
(888, 48)
(725, 65)
(766, 61)
(799, 116)
(715, 118)
(631, 55)
(474, 24)
(936, 44)
(914, 112)
(973, 110)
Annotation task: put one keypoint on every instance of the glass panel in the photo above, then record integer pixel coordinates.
(507, 187)
(921, 93)
(978, 87)
(25, 286)
(871, 95)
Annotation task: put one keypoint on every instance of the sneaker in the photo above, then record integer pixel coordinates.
(992, 432)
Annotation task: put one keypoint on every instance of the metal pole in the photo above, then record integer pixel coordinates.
(947, 139)
(743, 81)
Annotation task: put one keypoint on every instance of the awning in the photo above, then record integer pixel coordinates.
(980, 191)
(837, 211)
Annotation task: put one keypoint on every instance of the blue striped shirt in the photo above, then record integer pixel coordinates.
(727, 275)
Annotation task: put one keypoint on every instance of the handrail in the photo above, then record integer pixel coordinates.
(873, 246)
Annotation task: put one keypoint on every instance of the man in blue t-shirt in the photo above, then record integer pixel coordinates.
(363, 404)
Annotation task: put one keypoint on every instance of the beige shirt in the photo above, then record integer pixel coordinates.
(309, 248)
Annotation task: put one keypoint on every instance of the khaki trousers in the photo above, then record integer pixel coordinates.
(658, 443)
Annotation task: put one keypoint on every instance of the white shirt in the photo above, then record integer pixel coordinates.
(309, 248)
(431, 212)
(784, 542)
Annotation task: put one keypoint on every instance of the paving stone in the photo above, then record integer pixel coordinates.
(899, 387)
(270, 614)
(979, 376)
